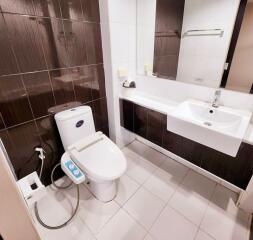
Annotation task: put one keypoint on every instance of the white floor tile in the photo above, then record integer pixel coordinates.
(223, 226)
(138, 147)
(176, 170)
(172, 225)
(199, 184)
(126, 187)
(189, 204)
(161, 184)
(226, 200)
(139, 169)
(192, 200)
(58, 205)
(75, 230)
(203, 236)
(96, 214)
(122, 227)
(144, 207)
(149, 237)
(147, 153)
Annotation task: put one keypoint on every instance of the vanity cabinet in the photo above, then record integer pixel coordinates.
(151, 125)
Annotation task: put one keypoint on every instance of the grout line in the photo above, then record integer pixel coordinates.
(166, 204)
(200, 230)
(140, 225)
(45, 59)
(93, 196)
(209, 202)
(2, 119)
(49, 17)
(50, 69)
(47, 115)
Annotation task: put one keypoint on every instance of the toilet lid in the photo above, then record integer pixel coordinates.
(102, 160)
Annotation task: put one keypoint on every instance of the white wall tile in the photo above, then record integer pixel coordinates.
(122, 11)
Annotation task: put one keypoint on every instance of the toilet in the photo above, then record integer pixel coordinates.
(98, 157)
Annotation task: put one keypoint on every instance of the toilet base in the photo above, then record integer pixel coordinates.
(103, 191)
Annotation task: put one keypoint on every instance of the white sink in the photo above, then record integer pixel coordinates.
(220, 128)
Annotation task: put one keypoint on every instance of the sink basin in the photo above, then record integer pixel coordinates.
(221, 128)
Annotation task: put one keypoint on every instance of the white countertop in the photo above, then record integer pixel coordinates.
(164, 106)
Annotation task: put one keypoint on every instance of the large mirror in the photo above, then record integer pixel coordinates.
(204, 42)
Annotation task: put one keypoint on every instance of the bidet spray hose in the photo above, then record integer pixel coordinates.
(59, 187)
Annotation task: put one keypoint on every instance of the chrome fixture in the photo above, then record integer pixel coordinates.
(129, 84)
(216, 100)
(204, 32)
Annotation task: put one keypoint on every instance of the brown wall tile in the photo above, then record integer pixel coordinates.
(71, 9)
(24, 36)
(20, 6)
(75, 42)
(19, 143)
(91, 10)
(2, 124)
(62, 86)
(93, 43)
(47, 8)
(169, 19)
(40, 92)
(82, 78)
(98, 81)
(14, 104)
(51, 142)
(44, 58)
(99, 109)
(7, 61)
(54, 43)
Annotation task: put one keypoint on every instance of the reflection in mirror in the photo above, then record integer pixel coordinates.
(239, 76)
(168, 26)
(189, 41)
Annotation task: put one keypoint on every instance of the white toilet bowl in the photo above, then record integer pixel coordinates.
(102, 163)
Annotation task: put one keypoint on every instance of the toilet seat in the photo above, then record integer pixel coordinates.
(102, 160)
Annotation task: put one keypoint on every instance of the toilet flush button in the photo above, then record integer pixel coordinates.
(76, 172)
(71, 166)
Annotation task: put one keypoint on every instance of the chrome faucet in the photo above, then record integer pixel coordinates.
(216, 99)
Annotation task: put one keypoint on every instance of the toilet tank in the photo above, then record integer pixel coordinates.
(75, 124)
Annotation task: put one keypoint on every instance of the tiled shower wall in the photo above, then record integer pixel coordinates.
(50, 59)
